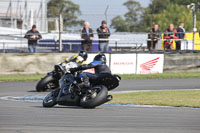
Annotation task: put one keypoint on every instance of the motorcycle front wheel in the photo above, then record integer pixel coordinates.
(94, 97)
(50, 99)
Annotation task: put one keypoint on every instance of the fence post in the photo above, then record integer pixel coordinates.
(55, 41)
(60, 32)
(60, 28)
(4, 50)
(115, 45)
(70, 47)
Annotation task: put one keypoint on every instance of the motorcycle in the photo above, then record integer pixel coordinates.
(51, 80)
(71, 94)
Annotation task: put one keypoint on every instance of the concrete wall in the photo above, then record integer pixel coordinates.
(30, 63)
(43, 63)
(188, 62)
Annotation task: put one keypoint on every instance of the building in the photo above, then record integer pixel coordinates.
(22, 14)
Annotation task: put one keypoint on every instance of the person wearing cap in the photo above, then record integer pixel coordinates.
(103, 33)
(33, 36)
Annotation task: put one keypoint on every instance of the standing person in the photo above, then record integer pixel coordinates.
(153, 37)
(169, 34)
(33, 36)
(103, 33)
(180, 35)
(87, 36)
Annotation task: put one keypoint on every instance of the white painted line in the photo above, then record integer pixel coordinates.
(146, 106)
(29, 98)
(39, 98)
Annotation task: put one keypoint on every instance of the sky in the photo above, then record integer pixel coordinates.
(93, 10)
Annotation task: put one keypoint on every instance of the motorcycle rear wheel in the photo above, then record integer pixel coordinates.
(94, 97)
(44, 82)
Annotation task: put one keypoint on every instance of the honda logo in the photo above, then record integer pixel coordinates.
(147, 66)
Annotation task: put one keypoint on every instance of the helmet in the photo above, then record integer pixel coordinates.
(83, 54)
(100, 57)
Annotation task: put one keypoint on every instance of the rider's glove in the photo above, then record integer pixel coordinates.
(72, 70)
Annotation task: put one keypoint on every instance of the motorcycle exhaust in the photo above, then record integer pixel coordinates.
(109, 98)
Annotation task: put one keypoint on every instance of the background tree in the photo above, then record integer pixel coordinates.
(175, 14)
(131, 19)
(184, 2)
(163, 12)
(119, 24)
(70, 12)
(157, 6)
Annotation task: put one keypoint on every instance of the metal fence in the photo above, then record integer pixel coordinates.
(118, 42)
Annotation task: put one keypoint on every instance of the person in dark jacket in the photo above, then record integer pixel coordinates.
(153, 37)
(87, 36)
(103, 33)
(33, 36)
(180, 35)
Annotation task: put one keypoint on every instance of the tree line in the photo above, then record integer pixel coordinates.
(137, 19)
(161, 12)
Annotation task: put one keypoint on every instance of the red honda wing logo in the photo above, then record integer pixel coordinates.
(147, 66)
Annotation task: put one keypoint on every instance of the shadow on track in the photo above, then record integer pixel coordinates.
(66, 107)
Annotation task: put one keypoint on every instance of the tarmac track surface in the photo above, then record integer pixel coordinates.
(29, 117)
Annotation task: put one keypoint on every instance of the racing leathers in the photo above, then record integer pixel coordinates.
(85, 77)
(78, 59)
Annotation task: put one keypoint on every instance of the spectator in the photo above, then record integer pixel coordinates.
(33, 36)
(103, 33)
(153, 36)
(169, 34)
(87, 35)
(180, 35)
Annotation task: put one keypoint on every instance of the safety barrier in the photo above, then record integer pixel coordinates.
(127, 63)
(130, 63)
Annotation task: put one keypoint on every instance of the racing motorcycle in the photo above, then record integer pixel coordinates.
(51, 80)
(71, 94)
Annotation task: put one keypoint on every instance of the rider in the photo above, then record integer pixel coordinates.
(80, 58)
(99, 64)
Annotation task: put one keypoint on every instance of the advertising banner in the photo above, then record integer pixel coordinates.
(150, 63)
(123, 63)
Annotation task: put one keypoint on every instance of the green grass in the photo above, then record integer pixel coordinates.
(24, 77)
(162, 76)
(179, 98)
(36, 77)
